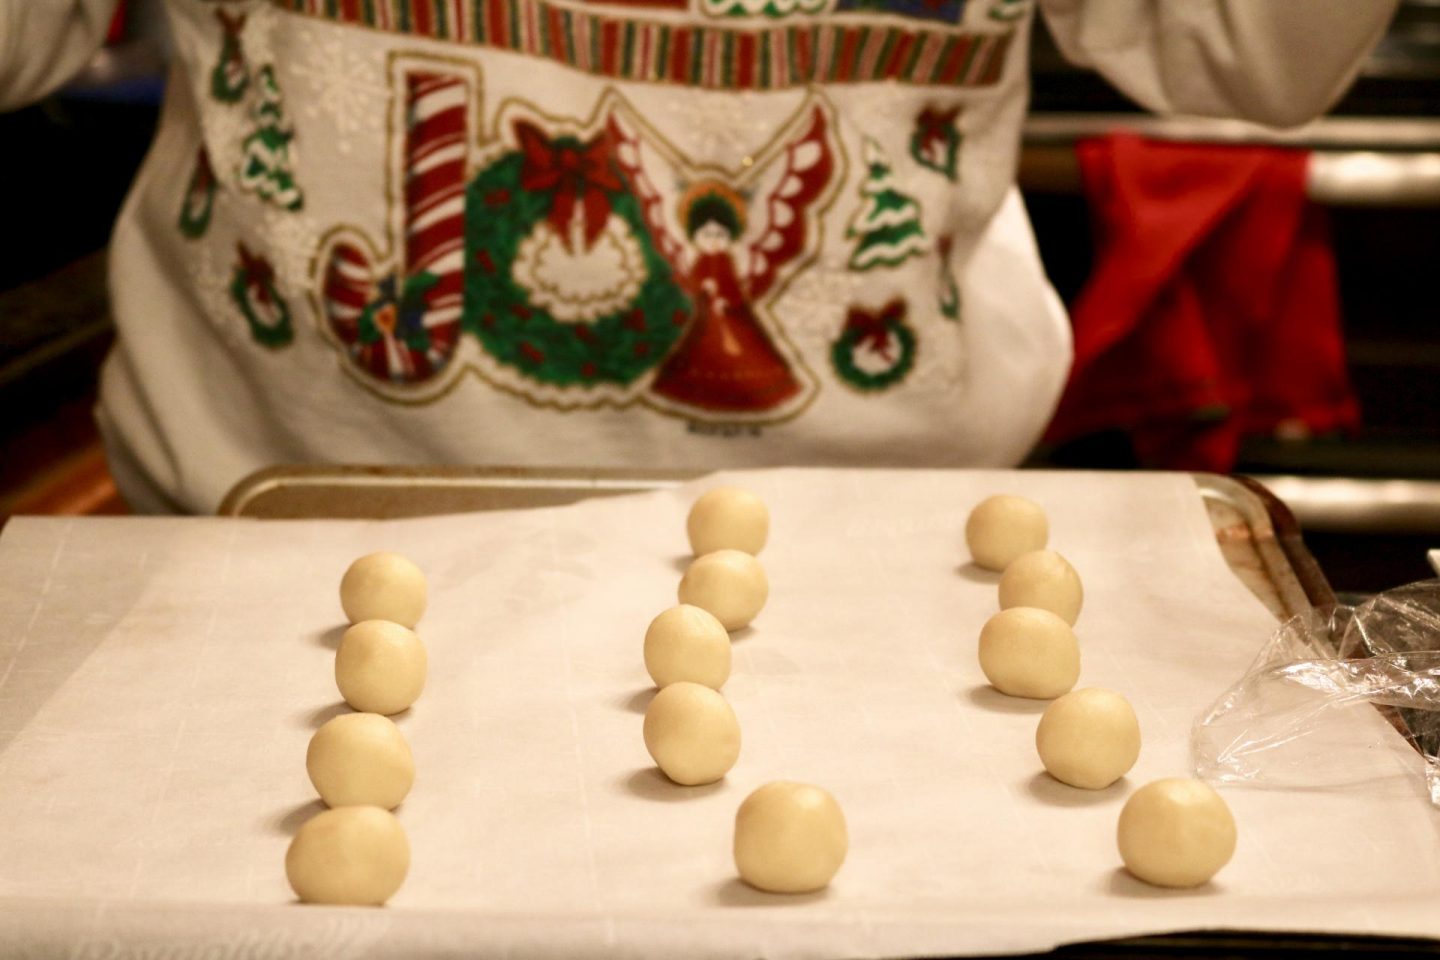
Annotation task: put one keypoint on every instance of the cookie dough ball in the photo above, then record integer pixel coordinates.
(730, 584)
(728, 518)
(1176, 833)
(349, 855)
(1088, 738)
(1043, 579)
(687, 643)
(360, 759)
(1027, 652)
(380, 667)
(383, 586)
(692, 733)
(789, 838)
(1002, 527)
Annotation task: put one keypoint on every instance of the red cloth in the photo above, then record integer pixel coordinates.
(1212, 311)
(118, 21)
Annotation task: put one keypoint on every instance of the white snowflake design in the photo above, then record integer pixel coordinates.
(732, 124)
(814, 306)
(343, 89)
(291, 239)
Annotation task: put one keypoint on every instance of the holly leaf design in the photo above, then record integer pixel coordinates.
(399, 314)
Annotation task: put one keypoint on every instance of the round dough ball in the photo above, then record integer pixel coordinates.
(687, 643)
(1176, 833)
(360, 759)
(380, 667)
(730, 584)
(349, 855)
(383, 586)
(1002, 527)
(1088, 738)
(1027, 652)
(789, 838)
(692, 733)
(1043, 579)
(728, 518)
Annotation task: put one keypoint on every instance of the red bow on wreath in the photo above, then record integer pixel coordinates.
(873, 329)
(258, 273)
(936, 126)
(231, 25)
(576, 175)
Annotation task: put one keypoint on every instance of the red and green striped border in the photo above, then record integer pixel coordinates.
(707, 56)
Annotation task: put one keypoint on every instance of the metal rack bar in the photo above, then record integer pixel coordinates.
(1356, 161)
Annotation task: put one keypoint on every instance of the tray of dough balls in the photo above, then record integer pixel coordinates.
(791, 713)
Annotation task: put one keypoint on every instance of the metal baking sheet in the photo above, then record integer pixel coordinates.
(1238, 518)
(1256, 532)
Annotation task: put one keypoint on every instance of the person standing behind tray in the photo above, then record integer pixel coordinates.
(677, 233)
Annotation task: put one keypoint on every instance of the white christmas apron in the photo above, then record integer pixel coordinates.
(684, 233)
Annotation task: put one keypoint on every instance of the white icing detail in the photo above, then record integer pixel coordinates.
(890, 254)
(579, 284)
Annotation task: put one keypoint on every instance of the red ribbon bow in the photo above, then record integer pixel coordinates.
(231, 25)
(576, 175)
(936, 125)
(257, 272)
(873, 329)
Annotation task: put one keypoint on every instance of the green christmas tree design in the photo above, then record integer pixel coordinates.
(266, 167)
(888, 222)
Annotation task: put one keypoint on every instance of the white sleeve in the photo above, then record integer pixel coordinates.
(43, 43)
(1277, 62)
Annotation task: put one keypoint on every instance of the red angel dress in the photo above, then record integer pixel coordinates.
(725, 361)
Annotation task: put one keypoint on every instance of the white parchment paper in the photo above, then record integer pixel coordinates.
(160, 679)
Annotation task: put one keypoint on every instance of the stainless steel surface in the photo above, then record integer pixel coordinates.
(1248, 541)
(1373, 179)
(1241, 519)
(1410, 134)
(1344, 504)
(358, 492)
(1372, 163)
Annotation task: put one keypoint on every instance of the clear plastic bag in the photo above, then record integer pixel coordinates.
(1305, 714)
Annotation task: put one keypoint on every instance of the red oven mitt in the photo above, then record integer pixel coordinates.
(1212, 311)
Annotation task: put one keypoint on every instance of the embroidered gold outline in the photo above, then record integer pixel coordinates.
(469, 355)
(638, 393)
(392, 243)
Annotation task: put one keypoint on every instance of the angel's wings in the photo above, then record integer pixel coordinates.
(795, 176)
(789, 209)
(627, 149)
